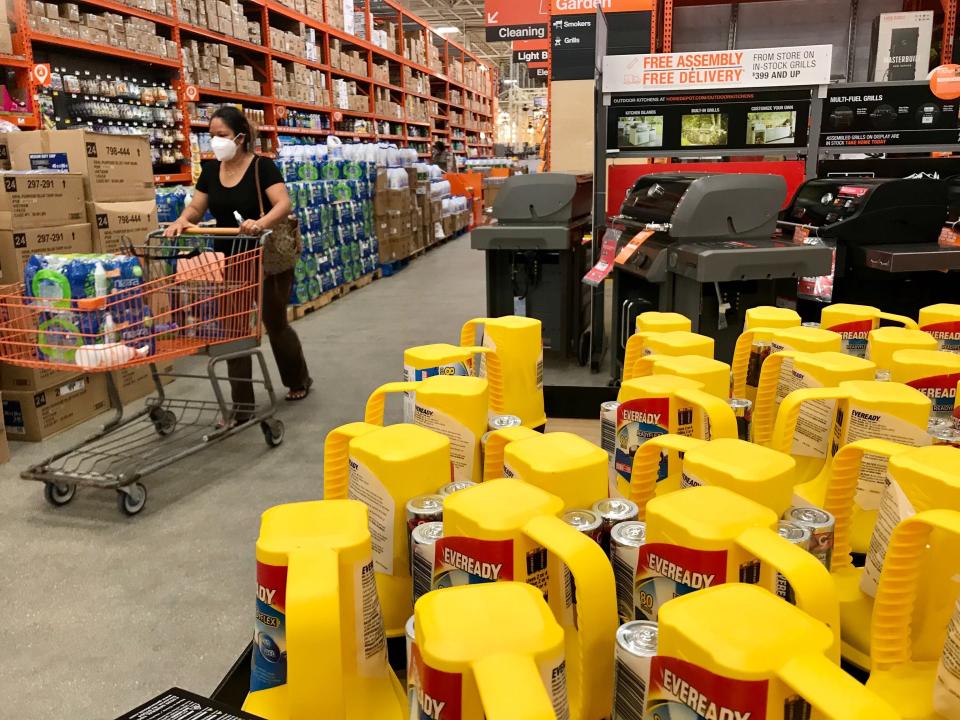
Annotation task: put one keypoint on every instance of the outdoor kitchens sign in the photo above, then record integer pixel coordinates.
(718, 70)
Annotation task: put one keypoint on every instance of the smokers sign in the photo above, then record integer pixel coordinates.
(761, 67)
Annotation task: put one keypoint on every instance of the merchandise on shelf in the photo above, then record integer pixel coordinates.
(384, 34)
(302, 44)
(210, 65)
(116, 106)
(202, 112)
(131, 33)
(347, 96)
(171, 202)
(332, 198)
(298, 83)
(347, 60)
(304, 120)
(222, 17)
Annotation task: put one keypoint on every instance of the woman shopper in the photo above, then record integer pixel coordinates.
(228, 187)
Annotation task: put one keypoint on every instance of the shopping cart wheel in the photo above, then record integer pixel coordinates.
(58, 494)
(164, 421)
(272, 431)
(132, 498)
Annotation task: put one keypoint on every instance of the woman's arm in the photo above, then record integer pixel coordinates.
(191, 215)
(280, 200)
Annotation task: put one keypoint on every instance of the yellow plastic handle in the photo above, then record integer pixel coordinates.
(591, 693)
(841, 490)
(833, 694)
(632, 353)
(336, 458)
(789, 413)
(496, 444)
(891, 636)
(741, 362)
(495, 387)
(722, 421)
(644, 366)
(764, 407)
(811, 583)
(511, 688)
(476, 350)
(646, 465)
(902, 319)
(377, 402)
(468, 333)
(313, 630)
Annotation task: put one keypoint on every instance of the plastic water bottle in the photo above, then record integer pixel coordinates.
(100, 284)
(109, 327)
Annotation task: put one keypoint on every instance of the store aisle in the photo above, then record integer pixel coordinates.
(102, 611)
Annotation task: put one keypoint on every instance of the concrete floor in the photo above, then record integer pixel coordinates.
(103, 611)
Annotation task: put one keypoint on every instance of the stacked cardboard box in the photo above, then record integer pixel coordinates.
(433, 59)
(346, 95)
(131, 33)
(6, 38)
(415, 49)
(41, 403)
(210, 65)
(415, 81)
(385, 35)
(381, 71)
(416, 108)
(109, 181)
(349, 60)
(301, 43)
(222, 17)
(383, 105)
(395, 213)
(298, 83)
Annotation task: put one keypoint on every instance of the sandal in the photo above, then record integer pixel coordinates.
(298, 394)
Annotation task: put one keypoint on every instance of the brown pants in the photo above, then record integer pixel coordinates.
(283, 341)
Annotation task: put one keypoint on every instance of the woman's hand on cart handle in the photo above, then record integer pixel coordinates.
(251, 227)
(177, 227)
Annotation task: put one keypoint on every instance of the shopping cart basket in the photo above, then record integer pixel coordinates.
(168, 298)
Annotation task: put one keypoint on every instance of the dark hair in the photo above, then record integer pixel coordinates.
(237, 122)
(439, 145)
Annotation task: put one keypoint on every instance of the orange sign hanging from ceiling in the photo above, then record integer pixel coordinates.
(584, 7)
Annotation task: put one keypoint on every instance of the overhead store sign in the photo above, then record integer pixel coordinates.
(531, 56)
(507, 20)
(531, 51)
(718, 70)
(579, 7)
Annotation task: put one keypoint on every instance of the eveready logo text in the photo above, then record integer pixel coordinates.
(701, 704)
(854, 334)
(942, 334)
(641, 417)
(431, 707)
(423, 411)
(860, 415)
(265, 594)
(484, 570)
(936, 393)
(678, 573)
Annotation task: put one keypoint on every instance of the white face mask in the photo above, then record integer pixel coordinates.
(223, 148)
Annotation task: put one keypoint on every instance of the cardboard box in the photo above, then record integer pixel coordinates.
(34, 415)
(40, 199)
(900, 46)
(115, 225)
(15, 377)
(116, 168)
(448, 225)
(16, 246)
(137, 382)
(4, 152)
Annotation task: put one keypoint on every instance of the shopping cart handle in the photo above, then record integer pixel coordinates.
(200, 230)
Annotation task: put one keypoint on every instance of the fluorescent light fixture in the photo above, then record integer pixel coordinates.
(509, 81)
(447, 30)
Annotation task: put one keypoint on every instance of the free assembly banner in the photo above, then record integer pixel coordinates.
(721, 69)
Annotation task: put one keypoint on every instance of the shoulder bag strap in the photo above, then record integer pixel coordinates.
(256, 175)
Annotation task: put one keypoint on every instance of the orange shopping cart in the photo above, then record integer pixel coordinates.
(165, 299)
